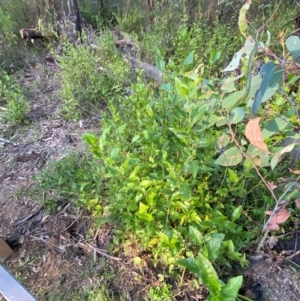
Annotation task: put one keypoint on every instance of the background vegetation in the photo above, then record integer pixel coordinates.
(176, 167)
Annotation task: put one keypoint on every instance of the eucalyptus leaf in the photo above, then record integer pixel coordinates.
(267, 72)
(293, 45)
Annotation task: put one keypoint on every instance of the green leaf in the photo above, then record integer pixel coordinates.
(293, 45)
(275, 160)
(237, 213)
(274, 126)
(135, 138)
(230, 157)
(160, 63)
(214, 245)
(208, 274)
(231, 289)
(193, 168)
(214, 56)
(115, 153)
(257, 156)
(189, 59)
(149, 111)
(90, 139)
(235, 62)
(190, 264)
(236, 115)
(181, 88)
(185, 191)
(233, 177)
(267, 72)
(122, 128)
(196, 236)
(232, 99)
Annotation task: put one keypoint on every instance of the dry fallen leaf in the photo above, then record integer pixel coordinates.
(271, 242)
(279, 217)
(297, 203)
(254, 135)
(271, 185)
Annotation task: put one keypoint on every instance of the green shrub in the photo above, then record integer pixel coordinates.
(91, 78)
(15, 105)
(156, 155)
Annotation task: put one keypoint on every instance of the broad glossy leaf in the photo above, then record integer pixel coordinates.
(274, 126)
(253, 134)
(230, 157)
(232, 287)
(275, 160)
(293, 45)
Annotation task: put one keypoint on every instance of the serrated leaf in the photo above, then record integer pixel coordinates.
(232, 287)
(253, 134)
(293, 45)
(230, 157)
(275, 160)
